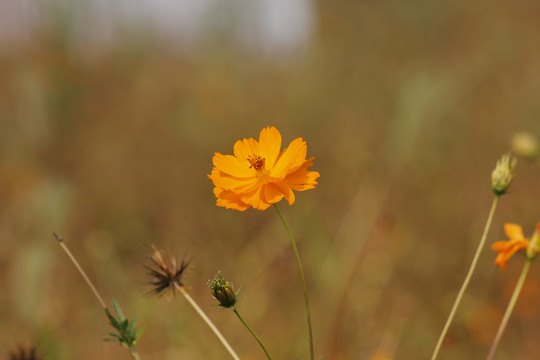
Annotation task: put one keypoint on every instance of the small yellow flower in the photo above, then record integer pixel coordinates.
(259, 174)
(517, 242)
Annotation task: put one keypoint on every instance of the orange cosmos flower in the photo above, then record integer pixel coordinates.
(259, 174)
(508, 248)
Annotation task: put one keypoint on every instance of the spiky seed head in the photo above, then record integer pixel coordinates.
(166, 272)
(22, 353)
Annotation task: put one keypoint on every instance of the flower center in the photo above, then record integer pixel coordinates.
(256, 162)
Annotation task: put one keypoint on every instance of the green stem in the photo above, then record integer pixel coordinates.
(134, 353)
(252, 332)
(467, 278)
(208, 322)
(306, 299)
(509, 308)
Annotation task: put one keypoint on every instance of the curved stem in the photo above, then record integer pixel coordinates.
(252, 332)
(467, 278)
(306, 299)
(509, 308)
(208, 322)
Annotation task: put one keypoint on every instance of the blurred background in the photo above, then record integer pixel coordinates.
(111, 110)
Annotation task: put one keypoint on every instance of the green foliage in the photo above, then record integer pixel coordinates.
(126, 330)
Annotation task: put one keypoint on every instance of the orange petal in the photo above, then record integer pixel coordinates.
(513, 231)
(226, 181)
(290, 159)
(499, 245)
(287, 191)
(229, 200)
(272, 193)
(233, 166)
(502, 260)
(269, 145)
(254, 198)
(302, 179)
(506, 249)
(245, 148)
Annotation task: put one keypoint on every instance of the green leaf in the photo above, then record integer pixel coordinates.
(124, 326)
(133, 325)
(126, 330)
(117, 310)
(139, 334)
(112, 320)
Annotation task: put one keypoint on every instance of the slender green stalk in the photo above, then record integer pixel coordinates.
(467, 278)
(509, 308)
(134, 353)
(306, 299)
(64, 247)
(252, 333)
(208, 322)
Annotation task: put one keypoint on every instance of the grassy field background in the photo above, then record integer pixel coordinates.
(406, 107)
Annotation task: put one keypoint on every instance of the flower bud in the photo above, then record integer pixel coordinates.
(534, 245)
(503, 174)
(525, 145)
(223, 291)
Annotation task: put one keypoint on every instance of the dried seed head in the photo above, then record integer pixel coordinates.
(223, 291)
(503, 174)
(166, 272)
(22, 353)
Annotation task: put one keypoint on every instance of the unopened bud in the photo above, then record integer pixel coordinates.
(223, 291)
(525, 145)
(503, 174)
(534, 245)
